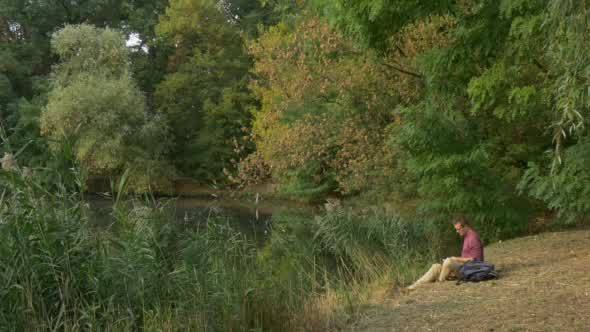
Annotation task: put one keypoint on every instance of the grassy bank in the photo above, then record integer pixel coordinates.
(146, 271)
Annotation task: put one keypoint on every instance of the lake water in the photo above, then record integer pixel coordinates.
(249, 217)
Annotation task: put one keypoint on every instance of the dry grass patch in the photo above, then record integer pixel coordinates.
(544, 286)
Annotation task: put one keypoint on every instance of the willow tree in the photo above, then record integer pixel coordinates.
(484, 101)
(562, 180)
(26, 59)
(95, 106)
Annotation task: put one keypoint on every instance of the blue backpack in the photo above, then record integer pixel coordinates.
(476, 271)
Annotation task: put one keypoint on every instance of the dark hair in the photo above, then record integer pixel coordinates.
(461, 220)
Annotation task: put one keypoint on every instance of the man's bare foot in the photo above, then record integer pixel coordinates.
(397, 291)
(409, 289)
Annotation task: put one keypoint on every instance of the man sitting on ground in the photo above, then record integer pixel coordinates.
(472, 251)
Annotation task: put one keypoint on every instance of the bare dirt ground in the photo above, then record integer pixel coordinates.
(544, 285)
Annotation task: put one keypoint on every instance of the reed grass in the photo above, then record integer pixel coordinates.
(59, 272)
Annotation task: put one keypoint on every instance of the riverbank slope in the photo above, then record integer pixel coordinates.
(544, 286)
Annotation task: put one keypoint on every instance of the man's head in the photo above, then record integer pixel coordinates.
(461, 226)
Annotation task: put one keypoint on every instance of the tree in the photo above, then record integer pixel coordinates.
(324, 107)
(464, 141)
(26, 60)
(95, 105)
(561, 179)
(204, 93)
(373, 22)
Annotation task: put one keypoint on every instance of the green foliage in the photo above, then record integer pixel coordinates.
(569, 26)
(109, 126)
(375, 21)
(224, 135)
(84, 49)
(457, 171)
(308, 183)
(560, 182)
(6, 90)
(564, 190)
(442, 106)
(368, 243)
(46, 257)
(465, 145)
(26, 60)
(324, 108)
(204, 93)
(145, 271)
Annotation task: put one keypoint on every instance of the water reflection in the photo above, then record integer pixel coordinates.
(253, 219)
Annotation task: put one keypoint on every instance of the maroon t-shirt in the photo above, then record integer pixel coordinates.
(472, 246)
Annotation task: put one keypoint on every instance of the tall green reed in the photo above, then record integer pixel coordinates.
(147, 271)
